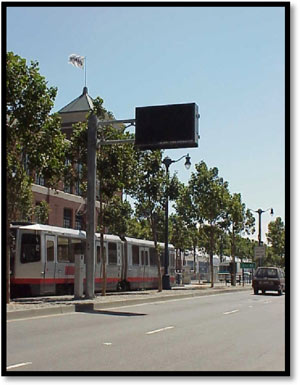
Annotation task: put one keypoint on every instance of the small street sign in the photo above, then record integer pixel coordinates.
(259, 252)
(248, 265)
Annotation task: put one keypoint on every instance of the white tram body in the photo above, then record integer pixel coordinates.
(43, 261)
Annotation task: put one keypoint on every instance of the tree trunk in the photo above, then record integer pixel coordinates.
(102, 248)
(154, 233)
(211, 257)
(233, 274)
(195, 269)
(7, 262)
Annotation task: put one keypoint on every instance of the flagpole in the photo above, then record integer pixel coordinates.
(85, 71)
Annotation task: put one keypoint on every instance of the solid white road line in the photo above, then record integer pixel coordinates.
(160, 330)
(230, 312)
(18, 365)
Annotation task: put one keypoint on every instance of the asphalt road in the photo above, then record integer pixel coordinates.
(222, 332)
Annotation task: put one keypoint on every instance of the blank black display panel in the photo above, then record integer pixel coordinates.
(167, 126)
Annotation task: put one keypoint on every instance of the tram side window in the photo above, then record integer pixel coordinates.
(162, 257)
(75, 247)
(67, 248)
(152, 257)
(135, 255)
(30, 248)
(99, 253)
(112, 253)
(172, 259)
(50, 250)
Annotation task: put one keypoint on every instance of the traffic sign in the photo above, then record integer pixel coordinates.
(248, 265)
(259, 252)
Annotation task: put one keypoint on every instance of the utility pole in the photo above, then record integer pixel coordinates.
(91, 200)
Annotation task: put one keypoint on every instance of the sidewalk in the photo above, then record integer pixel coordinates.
(20, 308)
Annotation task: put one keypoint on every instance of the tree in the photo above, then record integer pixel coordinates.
(150, 196)
(238, 219)
(276, 237)
(180, 236)
(34, 141)
(139, 228)
(150, 188)
(208, 201)
(116, 216)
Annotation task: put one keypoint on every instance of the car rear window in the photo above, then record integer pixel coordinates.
(267, 273)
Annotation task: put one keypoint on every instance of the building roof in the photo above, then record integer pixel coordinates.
(83, 103)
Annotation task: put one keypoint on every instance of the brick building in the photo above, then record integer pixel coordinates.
(67, 206)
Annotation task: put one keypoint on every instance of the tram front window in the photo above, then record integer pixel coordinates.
(30, 248)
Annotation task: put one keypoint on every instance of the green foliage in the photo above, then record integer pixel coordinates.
(41, 212)
(276, 237)
(139, 228)
(206, 200)
(34, 142)
(209, 193)
(148, 190)
(179, 233)
(116, 216)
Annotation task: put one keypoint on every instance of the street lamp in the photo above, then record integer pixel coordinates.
(259, 212)
(167, 162)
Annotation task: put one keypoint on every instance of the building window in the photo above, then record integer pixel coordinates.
(67, 187)
(39, 179)
(79, 177)
(68, 218)
(78, 221)
(67, 184)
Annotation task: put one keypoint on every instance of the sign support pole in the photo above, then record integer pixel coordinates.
(92, 146)
(91, 201)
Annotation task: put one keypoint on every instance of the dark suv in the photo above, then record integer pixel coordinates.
(268, 279)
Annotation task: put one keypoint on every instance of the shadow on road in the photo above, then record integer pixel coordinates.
(89, 308)
(273, 294)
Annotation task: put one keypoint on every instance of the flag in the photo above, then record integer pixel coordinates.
(76, 60)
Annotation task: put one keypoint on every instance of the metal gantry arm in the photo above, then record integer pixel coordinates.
(115, 141)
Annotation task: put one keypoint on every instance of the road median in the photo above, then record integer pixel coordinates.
(56, 305)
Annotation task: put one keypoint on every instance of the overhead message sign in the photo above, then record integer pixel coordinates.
(167, 126)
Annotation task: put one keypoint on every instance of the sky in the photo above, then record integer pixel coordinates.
(230, 61)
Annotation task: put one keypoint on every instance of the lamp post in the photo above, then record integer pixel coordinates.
(259, 212)
(167, 162)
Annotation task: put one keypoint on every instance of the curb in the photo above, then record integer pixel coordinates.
(94, 306)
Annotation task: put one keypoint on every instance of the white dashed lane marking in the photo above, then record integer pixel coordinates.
(18, 365)
(231, 312)
(160, 330)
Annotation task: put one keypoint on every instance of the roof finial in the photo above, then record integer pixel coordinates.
(85, 91)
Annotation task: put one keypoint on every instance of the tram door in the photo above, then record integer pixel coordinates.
(50, 265)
